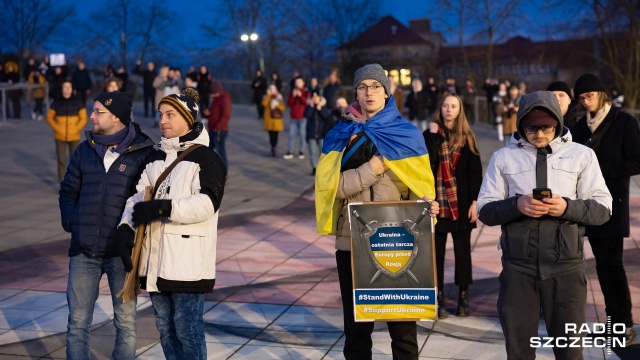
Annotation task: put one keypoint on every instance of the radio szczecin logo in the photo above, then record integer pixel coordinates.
(596, 335)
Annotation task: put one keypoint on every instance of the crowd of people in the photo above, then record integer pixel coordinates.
(568, 154)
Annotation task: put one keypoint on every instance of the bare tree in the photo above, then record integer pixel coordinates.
(27, 24)
(459, 17)
(496, 15)
(341, 14)
(619, 26)
(133, 30)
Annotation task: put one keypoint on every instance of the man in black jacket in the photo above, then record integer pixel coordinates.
(100, 178)
(614, 136)
(149, 92)
(81, 83)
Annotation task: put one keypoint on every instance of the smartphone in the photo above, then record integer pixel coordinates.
(541, 193)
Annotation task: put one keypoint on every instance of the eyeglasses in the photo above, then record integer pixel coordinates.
(98, 112)
(587, 97)
(546, 129)
(375, 88)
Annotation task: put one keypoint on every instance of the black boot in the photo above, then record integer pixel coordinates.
(273, 151)
(463, 302)
(442, 311)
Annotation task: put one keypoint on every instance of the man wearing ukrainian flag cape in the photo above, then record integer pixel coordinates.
(399, 170)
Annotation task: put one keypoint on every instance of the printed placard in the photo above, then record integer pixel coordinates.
(393, 261)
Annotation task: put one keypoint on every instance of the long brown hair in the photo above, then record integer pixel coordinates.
(460, 124)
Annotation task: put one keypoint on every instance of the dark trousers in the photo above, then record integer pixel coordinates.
(563, 300)
(404, 334)
(149, 99)
(462, 253)
(39, 106)
(613, 279)
(260, 109)
(217, 142)
(273, 138)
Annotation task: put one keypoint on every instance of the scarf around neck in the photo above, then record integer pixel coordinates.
(122, 138)
(594, 122)
(446, 184)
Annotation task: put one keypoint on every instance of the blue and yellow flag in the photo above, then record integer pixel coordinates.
(399, 142)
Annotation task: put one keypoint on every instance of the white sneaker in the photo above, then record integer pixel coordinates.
(301, 156)
(33, 116)
(287, 156)
(40, 118)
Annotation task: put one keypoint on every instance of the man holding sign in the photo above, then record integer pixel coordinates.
(372, 154)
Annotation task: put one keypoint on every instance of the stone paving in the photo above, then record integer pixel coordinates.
(276, 294)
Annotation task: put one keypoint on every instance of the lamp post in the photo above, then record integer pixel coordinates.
(253, 38)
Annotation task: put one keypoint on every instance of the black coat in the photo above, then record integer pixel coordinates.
(468, 174)
(618, 153)
(417, 105)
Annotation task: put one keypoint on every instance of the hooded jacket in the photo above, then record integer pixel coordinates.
(179, 252)
(92, 199)
(548, 246)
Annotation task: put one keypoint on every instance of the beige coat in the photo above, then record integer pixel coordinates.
(354, 187)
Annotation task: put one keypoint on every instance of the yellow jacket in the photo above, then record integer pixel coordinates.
(273, 124)
(67, 118)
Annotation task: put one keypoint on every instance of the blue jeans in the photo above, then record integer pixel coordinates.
(181, 324)
(217, 142)
(315, 147)
(82, 293)
(297, 127)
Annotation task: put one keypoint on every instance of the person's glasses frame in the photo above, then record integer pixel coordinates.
(587, 97)
(375, 88)
(546, 129)
(99, 112)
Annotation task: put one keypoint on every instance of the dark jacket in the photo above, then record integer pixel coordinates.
(316, 121)
(468, 174)
(204, 84)
(332, 92)
(92, 200)
(259, 87)
(618, 153)
(572, 116)
(81, 80)
(417, 105)
(147, 79)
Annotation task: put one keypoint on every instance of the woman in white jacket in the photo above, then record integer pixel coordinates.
(178, 259)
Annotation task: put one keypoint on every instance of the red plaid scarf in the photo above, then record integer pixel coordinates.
(446, 187)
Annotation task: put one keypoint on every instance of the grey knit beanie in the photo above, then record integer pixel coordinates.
(374, 72)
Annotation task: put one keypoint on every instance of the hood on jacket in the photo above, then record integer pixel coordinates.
(539, 99)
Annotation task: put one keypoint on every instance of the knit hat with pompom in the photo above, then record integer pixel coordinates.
(186, 104)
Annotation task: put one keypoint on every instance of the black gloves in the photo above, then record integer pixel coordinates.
(147, 211)
(125, 244)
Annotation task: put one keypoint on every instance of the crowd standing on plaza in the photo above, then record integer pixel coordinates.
(536, 129)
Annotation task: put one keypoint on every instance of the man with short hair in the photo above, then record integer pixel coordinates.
(101, 176)
(148, 91)
(542, 189)
(401, 154)
(81, 83)
(568, 105)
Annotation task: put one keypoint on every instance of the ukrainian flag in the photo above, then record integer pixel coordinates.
(399, 142)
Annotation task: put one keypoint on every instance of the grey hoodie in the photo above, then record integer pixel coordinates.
(539, 99)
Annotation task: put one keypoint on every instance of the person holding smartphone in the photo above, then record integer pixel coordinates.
(543, 266)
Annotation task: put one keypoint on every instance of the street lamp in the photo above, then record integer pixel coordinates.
(254, 37)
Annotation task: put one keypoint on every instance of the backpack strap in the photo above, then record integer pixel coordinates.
(175, 162)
